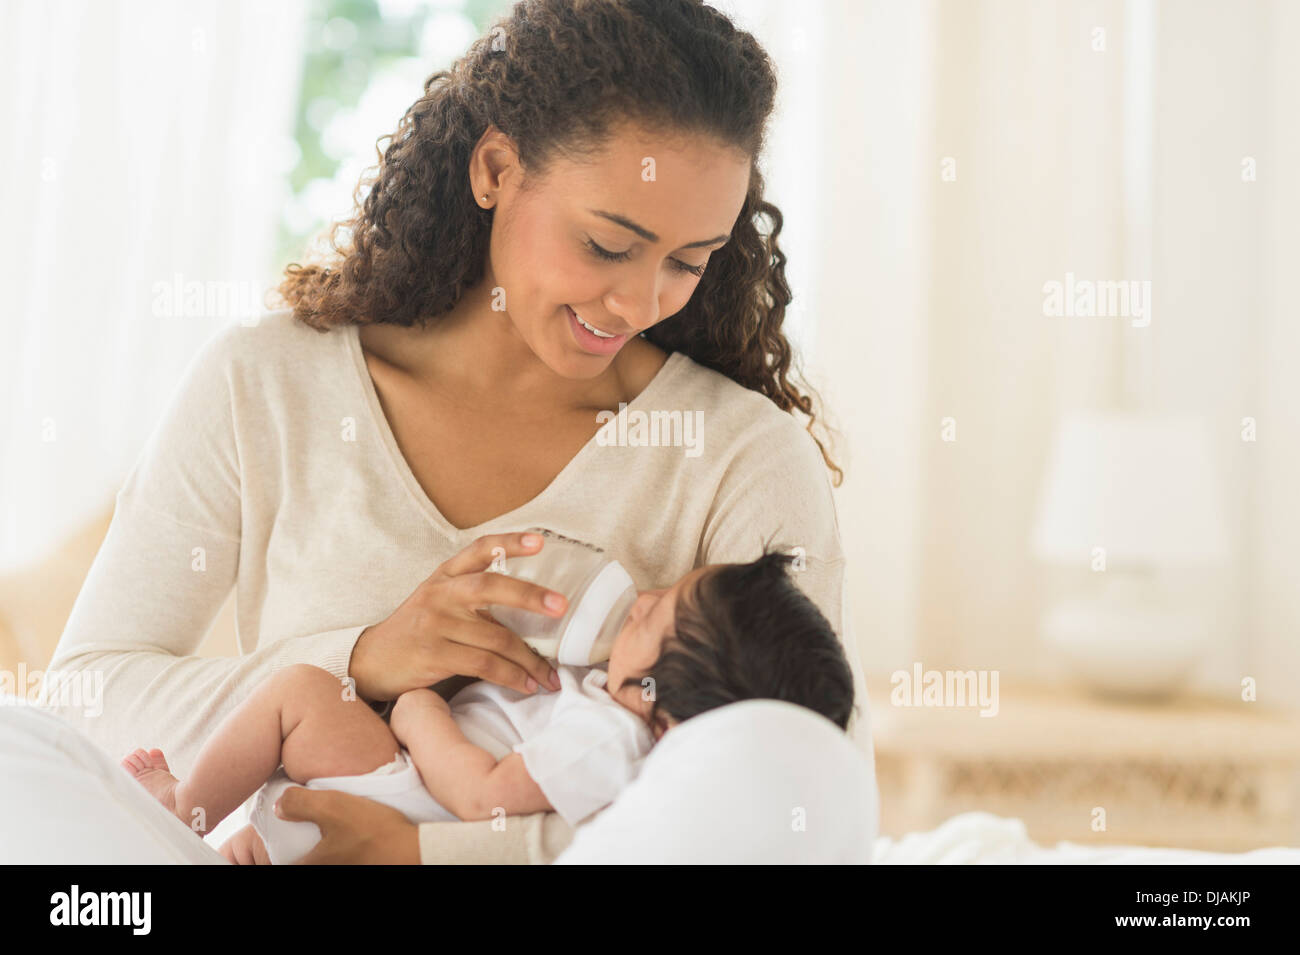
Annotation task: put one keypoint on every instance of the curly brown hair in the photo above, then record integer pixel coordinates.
(558, 77)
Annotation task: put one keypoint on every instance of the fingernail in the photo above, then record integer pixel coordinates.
(276, 809)
(531, 685)
(531, 540)
(554, 601)
(554, 680)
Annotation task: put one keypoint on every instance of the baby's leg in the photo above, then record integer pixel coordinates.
(300, 717)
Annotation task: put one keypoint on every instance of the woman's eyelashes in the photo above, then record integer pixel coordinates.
(696, 270)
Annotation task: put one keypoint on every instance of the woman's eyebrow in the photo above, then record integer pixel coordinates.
(649, 236)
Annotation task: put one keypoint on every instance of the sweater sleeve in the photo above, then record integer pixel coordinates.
(776, 492)
(124, 671)
(535, 839)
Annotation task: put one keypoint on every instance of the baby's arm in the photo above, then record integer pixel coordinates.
(466, 779)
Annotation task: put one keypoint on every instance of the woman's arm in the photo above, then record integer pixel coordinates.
(124, 670)
(127, 673)
(536, 839)
(360, 831)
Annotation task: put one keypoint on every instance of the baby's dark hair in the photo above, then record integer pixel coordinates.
(748, 632)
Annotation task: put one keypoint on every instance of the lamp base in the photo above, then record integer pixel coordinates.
(1127, 642)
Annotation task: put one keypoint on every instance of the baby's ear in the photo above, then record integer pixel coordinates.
(662, 725)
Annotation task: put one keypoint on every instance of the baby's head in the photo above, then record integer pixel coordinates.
(726, 633)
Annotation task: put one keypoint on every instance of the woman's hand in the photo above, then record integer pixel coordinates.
(443, 629)
(354, 830)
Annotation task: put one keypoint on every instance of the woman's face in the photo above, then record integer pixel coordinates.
(618, 243)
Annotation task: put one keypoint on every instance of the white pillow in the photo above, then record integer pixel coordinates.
(755, 782)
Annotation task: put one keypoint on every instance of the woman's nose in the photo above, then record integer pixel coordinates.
(638, 308)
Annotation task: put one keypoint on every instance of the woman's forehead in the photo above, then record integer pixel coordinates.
(682, 194)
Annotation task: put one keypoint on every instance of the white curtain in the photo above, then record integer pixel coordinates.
(1113, 162)
(793, 34)
(145, 147)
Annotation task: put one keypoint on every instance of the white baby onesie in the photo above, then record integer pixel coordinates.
(578, 744)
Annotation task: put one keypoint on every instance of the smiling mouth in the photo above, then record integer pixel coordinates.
(591, 339)
(592, 328)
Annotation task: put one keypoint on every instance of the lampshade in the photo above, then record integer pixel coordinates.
(1145, 488)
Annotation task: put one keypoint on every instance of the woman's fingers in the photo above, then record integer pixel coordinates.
(298, 804)
(488, 634)
(480, 554)
(489, 651)
(488, 588)
(418, 643)
(260, 855)
(354, 830)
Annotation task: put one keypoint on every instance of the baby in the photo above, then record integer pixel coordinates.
(722, 634)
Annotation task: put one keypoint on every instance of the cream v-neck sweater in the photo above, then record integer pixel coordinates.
(273, 470)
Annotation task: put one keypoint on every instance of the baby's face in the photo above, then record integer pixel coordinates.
(642, 639)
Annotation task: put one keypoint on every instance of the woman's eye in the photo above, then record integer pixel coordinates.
(608, 256)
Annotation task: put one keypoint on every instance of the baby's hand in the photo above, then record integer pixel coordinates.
(413, 708)
(420, 699)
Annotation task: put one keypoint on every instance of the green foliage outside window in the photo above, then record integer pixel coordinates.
(348, 44)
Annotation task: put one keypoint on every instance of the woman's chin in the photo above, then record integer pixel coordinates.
(573, 362)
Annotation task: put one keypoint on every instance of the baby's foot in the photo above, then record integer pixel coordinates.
(150, 769)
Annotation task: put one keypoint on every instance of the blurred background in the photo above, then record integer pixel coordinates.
(1043, 256)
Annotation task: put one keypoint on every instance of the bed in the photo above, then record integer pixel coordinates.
(980, 838)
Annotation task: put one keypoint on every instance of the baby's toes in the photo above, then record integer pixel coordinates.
(136, 762)
(154, 759)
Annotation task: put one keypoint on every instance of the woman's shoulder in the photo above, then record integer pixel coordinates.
(272, 333)
(731, 409)
(273, 347)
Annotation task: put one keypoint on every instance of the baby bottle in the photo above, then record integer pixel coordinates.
(600, 594)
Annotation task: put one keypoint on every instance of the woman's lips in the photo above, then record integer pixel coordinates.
(589, 342)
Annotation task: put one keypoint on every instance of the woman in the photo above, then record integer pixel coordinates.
(563, 230)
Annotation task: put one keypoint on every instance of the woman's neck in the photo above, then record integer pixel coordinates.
(479, 354)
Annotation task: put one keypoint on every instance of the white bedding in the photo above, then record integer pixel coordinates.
(980, 838)
(759, 781)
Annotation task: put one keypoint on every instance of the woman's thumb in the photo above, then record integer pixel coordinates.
(298, 804)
